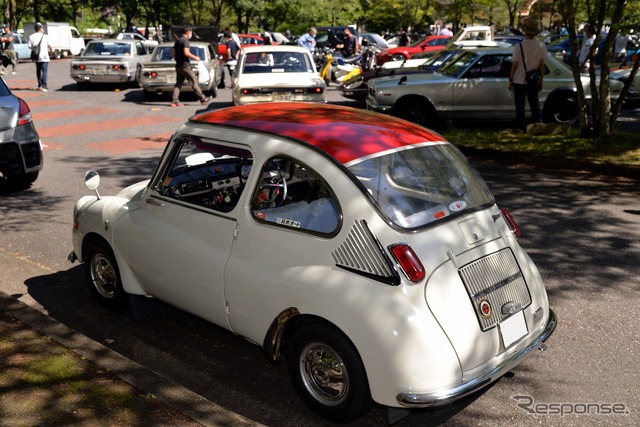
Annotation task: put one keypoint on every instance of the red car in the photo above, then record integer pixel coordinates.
(245, 39)
(400, 53)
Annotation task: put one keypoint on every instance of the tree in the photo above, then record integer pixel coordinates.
(602, 119)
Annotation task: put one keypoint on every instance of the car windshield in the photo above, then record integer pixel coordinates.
(439, 59)
(458, 66)
(108, 49)
(423, 184)
(277, 62)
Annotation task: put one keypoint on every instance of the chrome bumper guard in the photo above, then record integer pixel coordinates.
(446, 396)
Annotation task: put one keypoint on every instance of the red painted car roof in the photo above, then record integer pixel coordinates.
(344, 133)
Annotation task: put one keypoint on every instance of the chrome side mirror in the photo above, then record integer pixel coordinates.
(92, 181)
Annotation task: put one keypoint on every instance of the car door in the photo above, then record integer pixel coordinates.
(178, 242)
(481, 92)
(284, 242)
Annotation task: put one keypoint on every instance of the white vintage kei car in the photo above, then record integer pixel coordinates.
(362, 249)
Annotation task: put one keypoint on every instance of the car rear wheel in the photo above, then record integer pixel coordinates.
(103, 276)
(328, 374)
(397, 57)
(415, 109)
(562, 110)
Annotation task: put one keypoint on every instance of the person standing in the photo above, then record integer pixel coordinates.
(403, 38)
(182, 54)
(446, 31)
(585, 51)
(9, 48)
(308, 40)
(620, 48)
(350, 46)
(527, 56)
(41, 40)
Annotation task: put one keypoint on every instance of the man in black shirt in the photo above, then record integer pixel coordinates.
(182, 54)
(350, 46)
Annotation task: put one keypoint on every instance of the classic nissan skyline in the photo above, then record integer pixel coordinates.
(362, 249)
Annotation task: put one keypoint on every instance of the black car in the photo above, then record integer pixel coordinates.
(20, 148)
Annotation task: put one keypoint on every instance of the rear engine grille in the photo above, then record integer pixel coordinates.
(495, 279)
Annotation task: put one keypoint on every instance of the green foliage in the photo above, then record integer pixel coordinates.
(620, 148)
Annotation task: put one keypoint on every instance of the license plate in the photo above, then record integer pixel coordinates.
(282, 97)
(513, 328)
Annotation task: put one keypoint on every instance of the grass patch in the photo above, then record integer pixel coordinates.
(620, 148)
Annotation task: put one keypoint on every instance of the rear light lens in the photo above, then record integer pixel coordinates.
(116, 67)
(250, 91)
(409, 261)
(24, 115)
(513, 225)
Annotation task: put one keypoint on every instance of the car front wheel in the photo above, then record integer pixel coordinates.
(414, 109)
(103, 276)
(562, 110)
(328, 374)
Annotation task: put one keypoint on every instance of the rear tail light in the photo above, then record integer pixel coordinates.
(24, 115)
(513, 225)
(409, 261)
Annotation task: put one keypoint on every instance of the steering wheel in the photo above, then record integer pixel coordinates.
(273, 186)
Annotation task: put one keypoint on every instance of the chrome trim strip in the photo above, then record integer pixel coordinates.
(448, 395)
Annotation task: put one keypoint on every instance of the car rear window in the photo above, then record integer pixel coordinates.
(419, 186)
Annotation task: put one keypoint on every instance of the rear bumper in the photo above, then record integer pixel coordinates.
(446, 396)
(113, 78)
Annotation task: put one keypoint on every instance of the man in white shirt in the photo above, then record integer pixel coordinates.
(40, 41)
(585, 50)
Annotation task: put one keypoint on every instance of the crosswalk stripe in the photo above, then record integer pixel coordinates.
(103, 125)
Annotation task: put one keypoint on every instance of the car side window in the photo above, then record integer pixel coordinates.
(206, 174)
(487, 66)
(291, 195)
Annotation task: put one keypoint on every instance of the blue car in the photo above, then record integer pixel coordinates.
(20, 45)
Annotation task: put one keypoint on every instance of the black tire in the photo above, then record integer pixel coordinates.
(327, 373)
(397, 57)
(561, 110)
(415, 109)
(103, 276)
(56, 54)
(23, 181)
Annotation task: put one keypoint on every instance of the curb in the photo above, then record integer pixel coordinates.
(169, 393)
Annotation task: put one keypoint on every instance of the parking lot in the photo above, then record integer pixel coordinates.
(582, 232)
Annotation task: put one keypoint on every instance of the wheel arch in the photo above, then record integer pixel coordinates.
(431, 114)
(129, 281)
(285, 325)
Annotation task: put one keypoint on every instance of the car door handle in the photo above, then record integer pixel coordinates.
(154, 202)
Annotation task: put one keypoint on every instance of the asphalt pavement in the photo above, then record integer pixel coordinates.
(191, 404)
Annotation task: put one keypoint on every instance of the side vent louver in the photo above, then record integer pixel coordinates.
(362, 253)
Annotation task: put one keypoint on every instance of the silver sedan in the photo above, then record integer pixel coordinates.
(474, 86)
(158, 76)
(109, 61)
